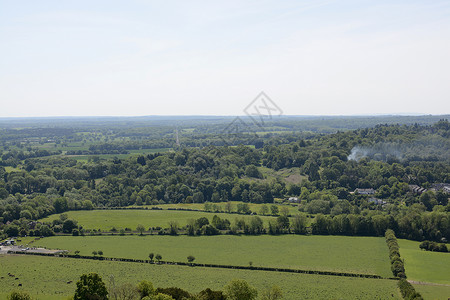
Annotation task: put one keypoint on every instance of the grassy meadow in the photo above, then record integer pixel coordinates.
(254, 207)
(433, 292)
(106, 219)
(49, 277)
(367, 255)
(425, 266)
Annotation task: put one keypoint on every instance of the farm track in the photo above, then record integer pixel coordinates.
(427, 283)
(284, 270)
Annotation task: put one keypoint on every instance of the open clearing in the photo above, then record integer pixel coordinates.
(365, 255)
(425, 266)
(47, 277)
(107, 219)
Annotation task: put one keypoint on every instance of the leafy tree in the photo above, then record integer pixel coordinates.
(69, 226)
(239, 289)
(284, 211)
(299, 224)
(140, 228)
(209, 294)
(190, 258)
(151, 255)
(273, 293)
(159, 296)
(91, 287)
(174, 292)
(283, 222)
(158, 257)
(173, 227)
(145, 288)
(274, 210)
(12, 230)
(125, 291)
(264, 210)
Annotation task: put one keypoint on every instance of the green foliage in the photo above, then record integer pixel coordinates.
(397, 264)
(208, 294)
(175, 292)
(273, 293)
(90, 286)
(17, 295)
(408, 291)
(239, 289)
(433, 246)
(145, 288)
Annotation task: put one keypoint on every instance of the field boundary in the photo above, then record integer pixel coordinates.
(270, 269)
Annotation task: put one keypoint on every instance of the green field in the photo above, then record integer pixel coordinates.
(254, 207)
(106, 219)
(47, 277)
(433, 292)
(367, 255)
(425, 266)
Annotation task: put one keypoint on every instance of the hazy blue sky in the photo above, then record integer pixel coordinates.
(139, 57)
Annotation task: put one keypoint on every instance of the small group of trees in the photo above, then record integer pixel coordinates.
(91, 286)
(433, 246)
(95, 253)
(152, 256)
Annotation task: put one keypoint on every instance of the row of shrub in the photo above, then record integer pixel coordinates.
(433, 246)
(398, 269)
(408, 291)
(397, 265)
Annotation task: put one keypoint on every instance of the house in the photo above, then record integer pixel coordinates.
(294, 200)
(377, 201)
(416, 189)
(444, 187)
(365, 191)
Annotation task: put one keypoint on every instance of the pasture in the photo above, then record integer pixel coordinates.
(254, 207)
(366, 255)
(434, 292)
(48, 277)
(106, 219)
(425, 266)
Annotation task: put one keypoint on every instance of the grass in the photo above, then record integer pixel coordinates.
(289, 175)
(254, 207)
(367, 255)
(425, 266)
(11, 169)
(47, 277)
(106, 219)
(434, 292)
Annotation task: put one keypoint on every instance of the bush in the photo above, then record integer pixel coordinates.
(239, 289)
(90, 286)
(433, 246)
(397, 265)
(209, 294)
(408, 291)
(16, 295)
(174, 292)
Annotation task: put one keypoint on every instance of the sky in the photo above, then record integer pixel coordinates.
(139, 57)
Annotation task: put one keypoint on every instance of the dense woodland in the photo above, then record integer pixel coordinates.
(37, 181)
